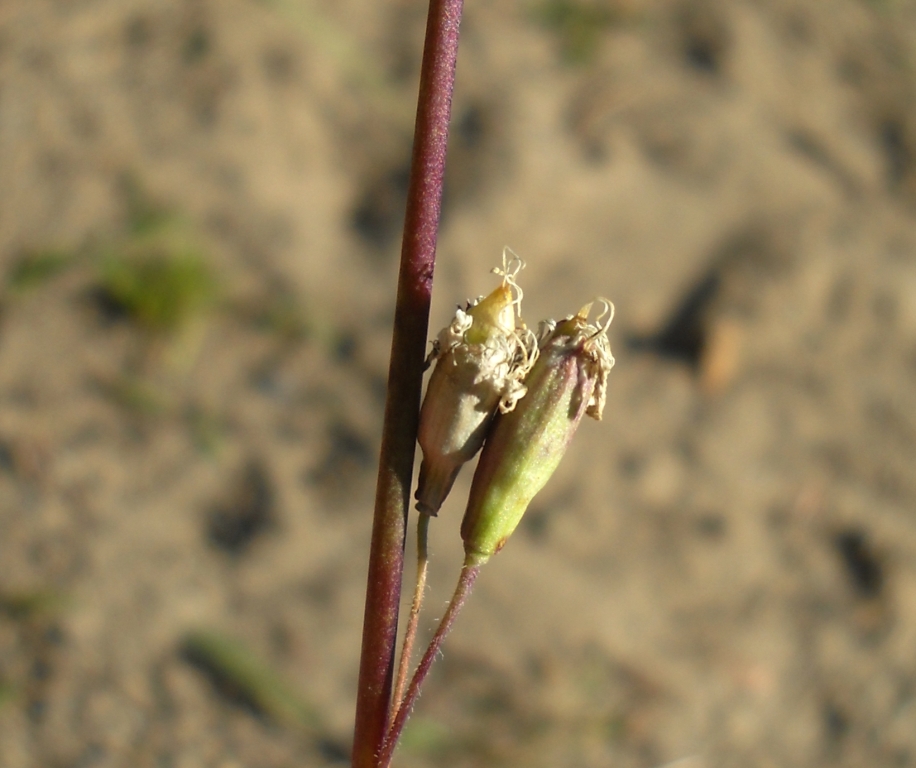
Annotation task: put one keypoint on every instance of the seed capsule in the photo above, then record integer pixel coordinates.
(525, 446)
(481, 360)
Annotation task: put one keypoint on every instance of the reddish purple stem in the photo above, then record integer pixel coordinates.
(405, 374)
(462, 590)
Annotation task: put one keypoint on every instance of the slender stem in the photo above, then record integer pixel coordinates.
(462, 590)
(410, 633)
(405, 373)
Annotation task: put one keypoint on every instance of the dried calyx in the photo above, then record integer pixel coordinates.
(482, 358)
(523, 449)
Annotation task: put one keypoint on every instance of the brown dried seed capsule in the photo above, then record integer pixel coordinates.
(524, 447)
(481, 360)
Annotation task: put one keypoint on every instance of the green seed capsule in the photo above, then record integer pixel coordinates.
(525, 446)
(481, 360)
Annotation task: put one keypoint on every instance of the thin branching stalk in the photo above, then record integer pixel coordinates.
(408, 345)
(462, 590)
(413, 621)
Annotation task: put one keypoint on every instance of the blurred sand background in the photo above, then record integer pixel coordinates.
(200, 208)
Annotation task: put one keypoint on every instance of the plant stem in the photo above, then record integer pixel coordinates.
(462, 590)
(411, 632)
(405, 374)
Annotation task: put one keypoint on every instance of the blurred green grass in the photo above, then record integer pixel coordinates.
(578, 26)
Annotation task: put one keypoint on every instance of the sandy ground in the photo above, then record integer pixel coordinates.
(721, 573)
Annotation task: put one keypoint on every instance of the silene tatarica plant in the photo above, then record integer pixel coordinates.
(521, 399)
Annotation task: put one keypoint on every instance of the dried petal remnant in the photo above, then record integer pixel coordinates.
(525, 446)
(481, 360)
